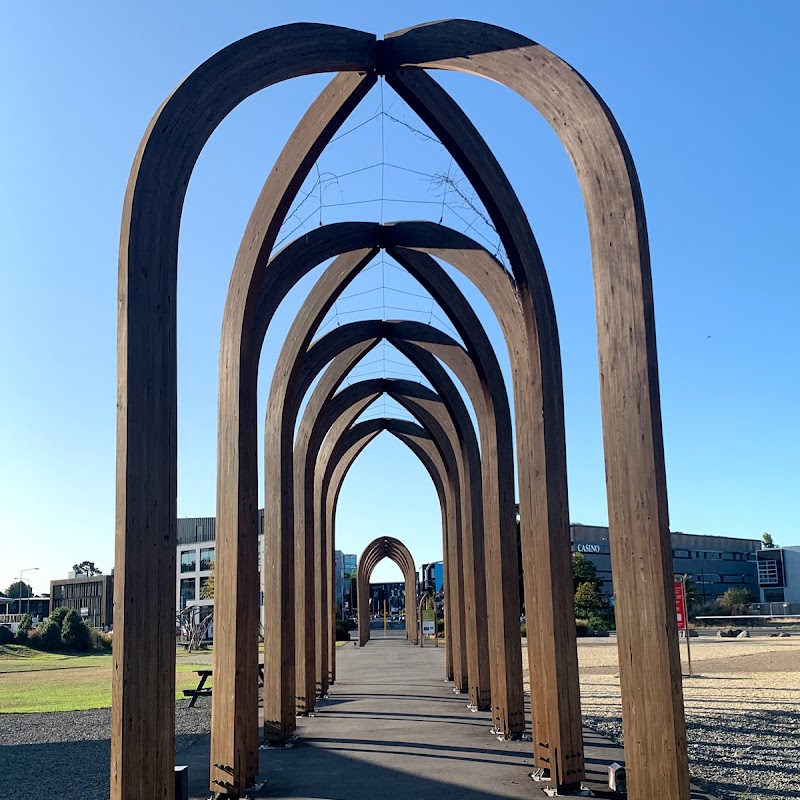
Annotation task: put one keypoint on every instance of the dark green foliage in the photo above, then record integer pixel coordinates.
(25, 625)
(583, 571)
(75, 635)
(582, 627)
(49, 635)
(6, 636)
(440, 625)
(523, 629)
(58, 615)
(86, 568)
(342, 631)
(588, 600)
(100, 640)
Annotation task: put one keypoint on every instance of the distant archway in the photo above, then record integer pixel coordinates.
(373, 554)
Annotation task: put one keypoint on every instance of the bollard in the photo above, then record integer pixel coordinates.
(616, 777)
(181, 783)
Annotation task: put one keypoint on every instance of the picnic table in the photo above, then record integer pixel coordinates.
(201, 690)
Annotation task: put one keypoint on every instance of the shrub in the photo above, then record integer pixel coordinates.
(440, 626)
(58, 615)
(49, 635)
(74, 633)
(100, 640)
(342, 631)
(25, 625)
(523, 629)
(582, 627)
(6, 636)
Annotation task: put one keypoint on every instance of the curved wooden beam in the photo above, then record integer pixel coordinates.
(146, 359)
(444, 436)
(371, 556)
(487, 391)
(419, 442)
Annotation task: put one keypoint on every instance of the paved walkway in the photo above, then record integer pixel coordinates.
(393, 729)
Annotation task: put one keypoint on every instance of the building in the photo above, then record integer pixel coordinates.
(92, 596)
(394, 594)
(37, 605)
(779, 577)
(431, 578)
(196, 557)
(713, 563)
(345, 575)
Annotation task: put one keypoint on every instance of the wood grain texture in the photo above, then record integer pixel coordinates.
(653, 718)
(234, 739)
(652, 700)
(499, 515)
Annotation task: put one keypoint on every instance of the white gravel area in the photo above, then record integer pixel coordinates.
(742, 711)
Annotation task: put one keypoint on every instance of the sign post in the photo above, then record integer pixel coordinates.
(683, 616)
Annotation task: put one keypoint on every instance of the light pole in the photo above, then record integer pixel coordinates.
(29, 569)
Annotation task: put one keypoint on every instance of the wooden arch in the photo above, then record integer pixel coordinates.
(485, 385)
(340, 458)
(372, 555)
(147, 462)
(419, 342)
(418, 440)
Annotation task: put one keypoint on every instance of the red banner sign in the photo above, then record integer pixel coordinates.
(680, 605)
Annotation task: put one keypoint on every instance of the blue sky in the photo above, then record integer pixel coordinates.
(705, 95)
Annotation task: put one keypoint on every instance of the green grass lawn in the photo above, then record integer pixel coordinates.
(33, 681)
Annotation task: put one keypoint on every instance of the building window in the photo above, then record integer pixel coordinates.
(199, 532)
(188, 560)
(767, 573)
(206, 559)
(188, 591)
(681, 554)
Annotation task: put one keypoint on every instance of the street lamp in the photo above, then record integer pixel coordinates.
(29, 569)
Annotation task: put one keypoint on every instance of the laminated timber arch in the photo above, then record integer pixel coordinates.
(337, 414)
(485, 385)
(372, 555)
(146, 464)
(417, 439)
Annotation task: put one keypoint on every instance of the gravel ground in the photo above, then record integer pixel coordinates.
(742, 711)
(41, 754)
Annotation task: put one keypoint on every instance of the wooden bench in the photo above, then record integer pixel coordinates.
(201, 690)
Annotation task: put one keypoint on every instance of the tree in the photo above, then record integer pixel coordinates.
(583, 571)
(692, 593)
(207, 585)
(588, 600)
(767, 541)
(74, 633)
(18, 589)
(86, 568)
(734, 599)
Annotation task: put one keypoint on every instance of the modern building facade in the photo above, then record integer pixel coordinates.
(196, 556)
(431, 578)
(345, 573)
(393, 593)
(779, 575)
(714, 563)
(91, 596)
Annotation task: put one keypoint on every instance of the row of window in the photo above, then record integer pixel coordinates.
(189, 560)
(189, 591)
(725, 555)
(87, 589)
